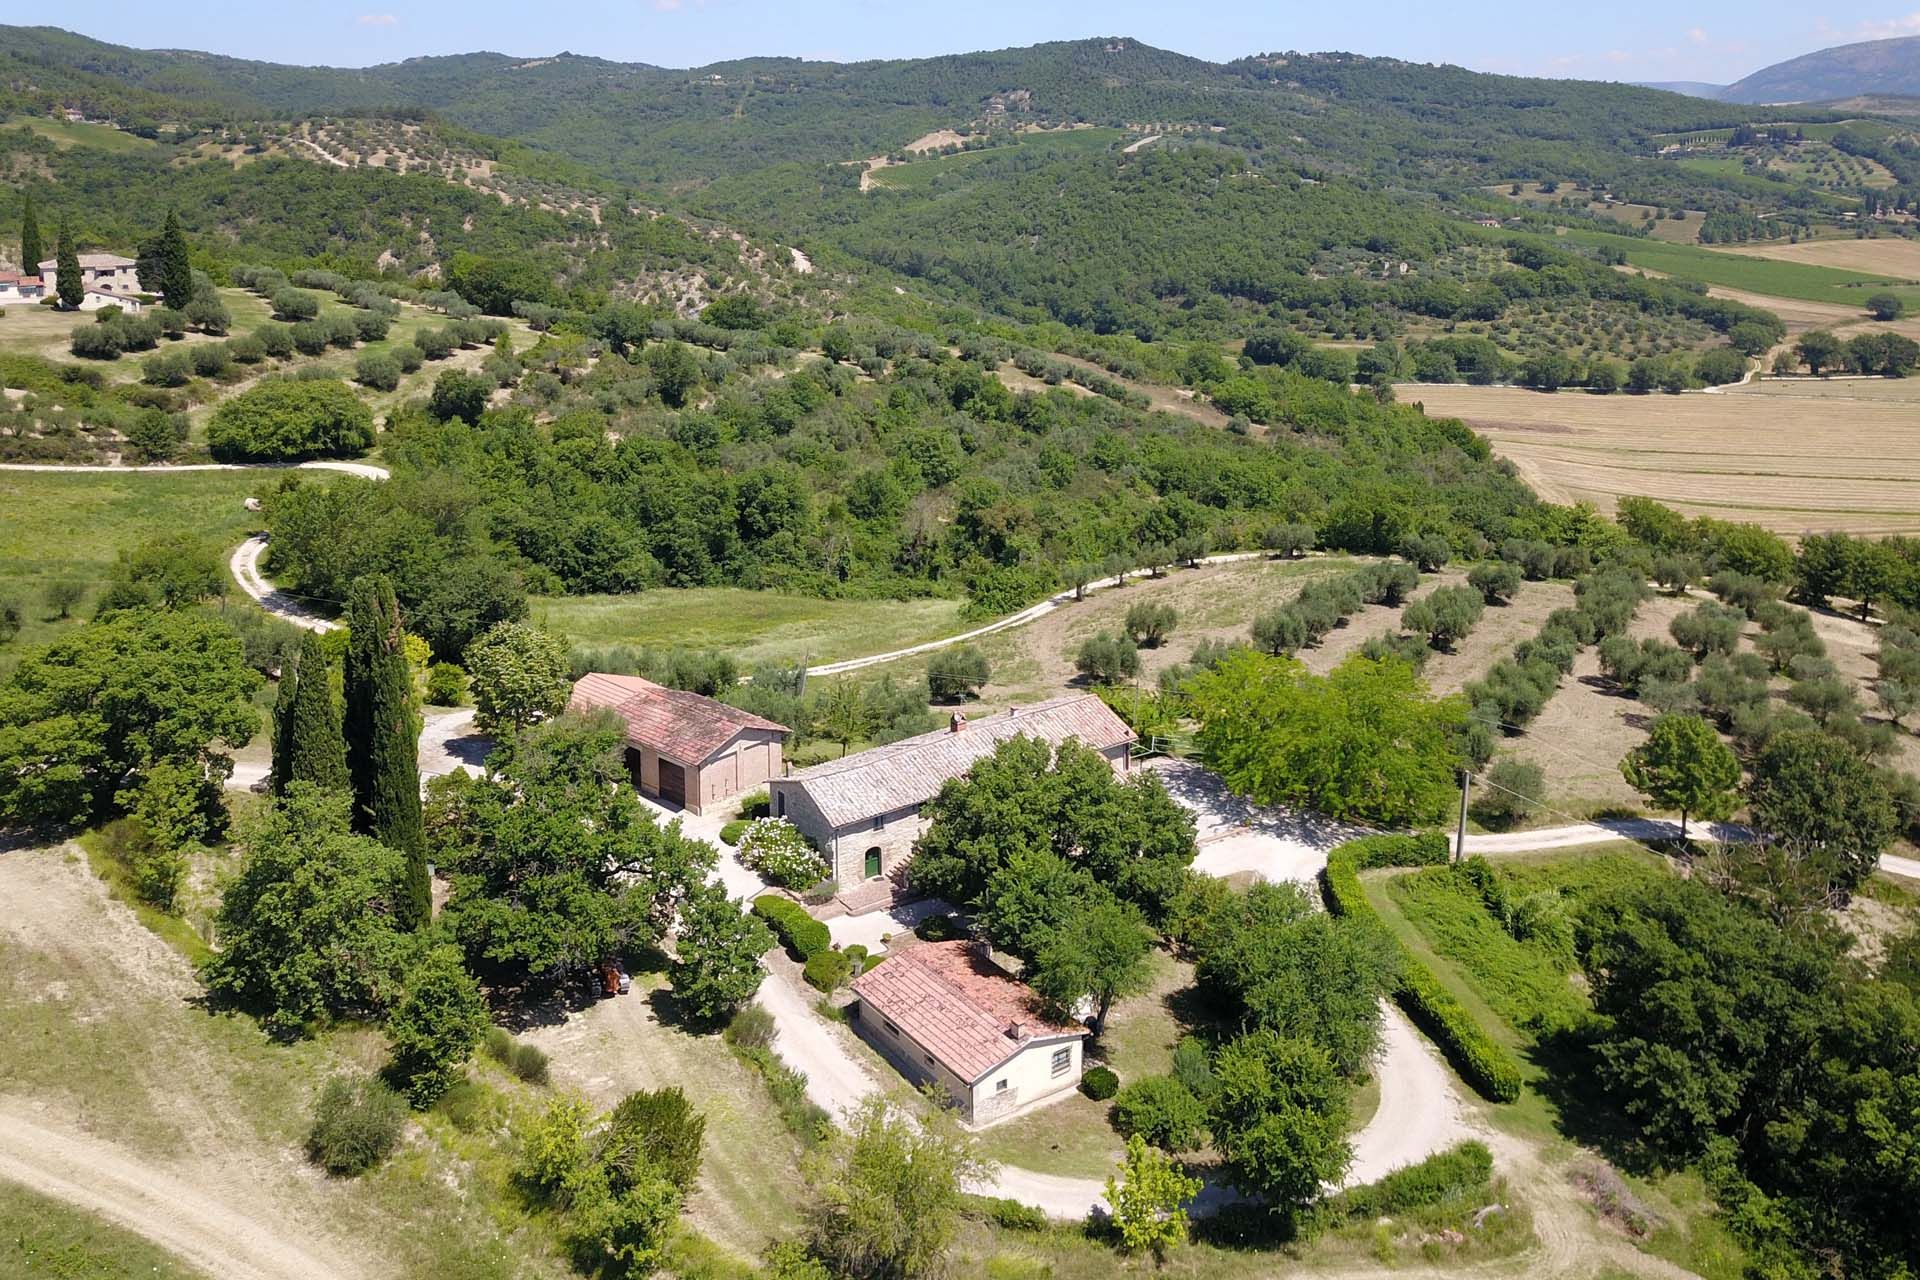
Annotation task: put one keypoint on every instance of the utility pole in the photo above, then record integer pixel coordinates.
(1460, 832)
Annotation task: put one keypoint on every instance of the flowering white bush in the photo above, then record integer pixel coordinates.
(775, 848)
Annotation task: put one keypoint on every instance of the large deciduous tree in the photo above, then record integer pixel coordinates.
(1101, 949)
(1280, 1118)
(717, 950)
(1367, 742)
(1026, 800)
(82, 718)
(518, 674)
(1683, 765)
(382, 736)
(555, 862)
(886, 1192)
(310, 927)
(1813, 796)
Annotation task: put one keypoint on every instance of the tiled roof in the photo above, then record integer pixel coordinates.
(859, 787)
(93, 261)
(683, 727)
(957, 1005)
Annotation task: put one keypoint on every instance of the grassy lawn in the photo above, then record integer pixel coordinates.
(1754, 275)
(917, 175)
(40, 1237)
(72, 525)
(68, 133)
(754, 626)
(1489, 973)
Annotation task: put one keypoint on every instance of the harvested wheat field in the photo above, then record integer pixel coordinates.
(1771, 459)
(1883, 256)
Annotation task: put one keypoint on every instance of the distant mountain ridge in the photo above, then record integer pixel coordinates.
(1850, 70)
(1691, 88)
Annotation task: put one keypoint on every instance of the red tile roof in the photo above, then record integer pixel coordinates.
(957, 1005)
(684, 727)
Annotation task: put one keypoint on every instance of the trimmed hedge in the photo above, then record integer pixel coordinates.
(1099, 1083)
(1481, 1061)
(1429, 849)
(830, 970)
(1455, 1171)
(804, 936)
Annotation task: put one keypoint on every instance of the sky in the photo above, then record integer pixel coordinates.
(1717, 41)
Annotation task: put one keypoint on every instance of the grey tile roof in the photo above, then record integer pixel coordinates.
(860, 787)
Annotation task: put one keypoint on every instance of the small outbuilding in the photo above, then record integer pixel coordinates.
(944, 1012)
(684, 749)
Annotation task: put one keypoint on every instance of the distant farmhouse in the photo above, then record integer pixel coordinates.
(944, 1012)
(100, 272)
(16, 289)
(684, 749)
(863, 811)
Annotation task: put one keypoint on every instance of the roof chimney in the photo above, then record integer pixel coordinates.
(956, 723)
(1017, 1031)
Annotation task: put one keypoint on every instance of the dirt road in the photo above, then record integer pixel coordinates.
(182, 1218)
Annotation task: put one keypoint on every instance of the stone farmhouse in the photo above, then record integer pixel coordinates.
(107, 273)
(684, 749)
(863, 811)
(944, 1012)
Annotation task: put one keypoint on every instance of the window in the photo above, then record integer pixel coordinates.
(928, 1057)
(999, 1086)
(779, 804)
(891, 1029)
(1062, 1060)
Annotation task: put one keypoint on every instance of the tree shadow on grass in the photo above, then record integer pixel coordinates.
(1567, 1062)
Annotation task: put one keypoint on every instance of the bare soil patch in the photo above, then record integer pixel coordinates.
(1738, 457)
(1880, 256)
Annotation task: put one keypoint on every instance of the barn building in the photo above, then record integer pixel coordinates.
(684, 749)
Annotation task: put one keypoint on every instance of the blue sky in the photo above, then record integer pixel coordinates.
(1715, 40)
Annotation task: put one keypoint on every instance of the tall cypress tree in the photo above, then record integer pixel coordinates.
(283, 729)
(176, 264)
(319, 753)
(31, 249)
(69, 284)
(382, 743)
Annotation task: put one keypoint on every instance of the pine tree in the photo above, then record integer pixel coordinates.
(30, 247)
(283, 730)
(70, 286)
(319, 753)
(382, 748)
(176, 264)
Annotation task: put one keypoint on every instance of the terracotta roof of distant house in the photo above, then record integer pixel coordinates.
(885, 779)
(681, 726)
(957, 1005)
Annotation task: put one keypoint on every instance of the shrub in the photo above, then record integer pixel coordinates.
(378, 370)
(939, 928)
(751, 1028)
(172, 323)
(525, 1061)
(166, 369)
(755, 804)
(409, 357)
(829, 970)
(1012, 1215)
(96, 342)
(371, 326)
(730, 833)
(1455, 1171)
(775, 848)
(276, 340)
(1163, 1111)
(1480, 1061)
(210, 359)
(1193, 1067)
(295, 304)
(1513, 791)
(957, 672)
(435, 344)
(803, 936)
(356, 1122)
(1099, 1083)
(285, 421)
(446, 684)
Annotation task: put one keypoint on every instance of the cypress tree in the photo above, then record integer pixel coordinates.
(30, 247)
(176, 264)
(283, 729)
(319, 753)
(382, 746)
(69, 285)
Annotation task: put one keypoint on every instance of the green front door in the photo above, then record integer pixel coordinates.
(873, 862)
